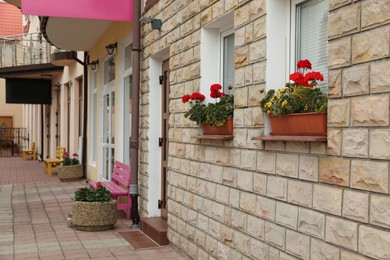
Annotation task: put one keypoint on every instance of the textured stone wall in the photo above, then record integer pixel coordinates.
(245, 199)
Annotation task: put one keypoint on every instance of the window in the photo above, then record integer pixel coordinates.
(227, 54)
(311, 37)
(93, 84)
(217, 54)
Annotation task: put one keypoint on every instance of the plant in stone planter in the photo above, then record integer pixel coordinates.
(302, 96)
(93, 209)
(215, 114)
(70, 169)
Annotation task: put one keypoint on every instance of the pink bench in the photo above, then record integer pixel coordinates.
(119, 186)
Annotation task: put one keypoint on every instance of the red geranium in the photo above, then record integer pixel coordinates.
(298, 78)
(197, 96)
(304, 64)
(186, 98)
(314, 76)
(214, 91)
(98, 184)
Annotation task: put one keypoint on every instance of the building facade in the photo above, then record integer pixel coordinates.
(252, 199)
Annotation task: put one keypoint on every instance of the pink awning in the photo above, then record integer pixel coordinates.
(112, 10)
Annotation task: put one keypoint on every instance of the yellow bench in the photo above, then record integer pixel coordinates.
(27, 153)
(51, 164)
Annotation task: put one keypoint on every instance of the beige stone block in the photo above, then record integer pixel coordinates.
(355, 205)
(273, 254)
(230, 4)
(211, 244)
(255, 227)
(259, 250)
(214, 228)
(259, 75)
(260, 183)
(286, 215)
(337, 3)
(298, 244)
(234, 198)
(370, 111)
(339, 53)
(265, 208)
(241, 97)
(345, 255)
(334, 141)
(240, 141)
(318, 148)
(249, 33)
(259, 28)
(245, 180)
(241, 56)
(257, 8)
(222, 194)
(253, 99)
(239, 219)
(235, 157)
(277, 188)
(344, 21)
(375, 13)
(217, 210)
(334, 170)
(380, 77)
(338, 112)
(239, 77)
(369, 175)
(380, 144)
(242, 15)
(297, 147)
(239, 37)
(370, 45)
(203, 222)
(355, 81)
(300, 193)
(249, 75)
(227, 235)
(242, 242)
(380, 211)
(374, 242)
(200, 238)
(308, 168)
(321, 250)
(229, 177)
(275, 146)
(218, 9)
(275, 235)
(223, 251)
(247, 202)
(311, 222)
(248, 159)
(266, 162)
(334, 83)
(327, 199)
(284, 256)
(341, 232)
(258, 50)
(287, 165)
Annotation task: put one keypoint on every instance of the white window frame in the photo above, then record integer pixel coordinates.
(223, 34)
(211, 52)
(93, 119)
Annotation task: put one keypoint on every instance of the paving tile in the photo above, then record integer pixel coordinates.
(34, 208)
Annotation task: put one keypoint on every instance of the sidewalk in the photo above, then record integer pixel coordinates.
(33, 212)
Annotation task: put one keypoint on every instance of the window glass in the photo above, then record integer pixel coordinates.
(228, 61)
(312, 36)
(109, 70)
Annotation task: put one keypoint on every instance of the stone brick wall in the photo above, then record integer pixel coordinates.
(245, 199)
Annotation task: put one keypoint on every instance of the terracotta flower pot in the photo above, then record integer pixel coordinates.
(70, 172)
(225, 129)
(300, 124)
(94, 216)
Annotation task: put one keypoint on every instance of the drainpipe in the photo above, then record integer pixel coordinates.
(134, 139)
(85, 118)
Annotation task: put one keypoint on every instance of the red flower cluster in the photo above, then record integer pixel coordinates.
(215, 91)
(193, 96)
(98, 184)
(304, 64)
(308, 79)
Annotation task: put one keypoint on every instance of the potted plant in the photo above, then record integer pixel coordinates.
(93, 209)
(215, 118)
(300, 107)
(70, 168)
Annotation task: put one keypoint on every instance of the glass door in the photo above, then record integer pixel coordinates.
(108, 110)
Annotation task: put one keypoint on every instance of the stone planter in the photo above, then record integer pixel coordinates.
(94, 216)
(225, 129)
(70, 172)
(300, 124)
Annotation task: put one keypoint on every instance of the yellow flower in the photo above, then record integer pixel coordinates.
(306, 107)
(269, 104)
(284, 103)
(278, 95)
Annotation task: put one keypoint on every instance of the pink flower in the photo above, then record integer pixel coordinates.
(75, 155)
(66, 154)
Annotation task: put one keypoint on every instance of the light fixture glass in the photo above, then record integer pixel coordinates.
(94, 64)
(111, 48)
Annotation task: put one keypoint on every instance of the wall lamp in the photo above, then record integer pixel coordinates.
(57, 86)
(111, 48)
(155, 23)
(94, 64)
